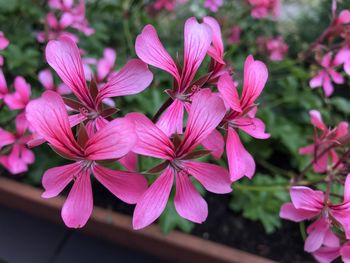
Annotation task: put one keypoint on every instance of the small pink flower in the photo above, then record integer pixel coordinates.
(46, 79)
(20, 156)
(275, 47)
(206, 112)
(327, 74)
(235, 34)
(48, 116)
(307, 204)
(322, 141)
(197, 40)
(213, 5)
(262, 8)
(20, 98)
(241, 115)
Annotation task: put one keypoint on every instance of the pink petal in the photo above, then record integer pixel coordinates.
(228, 91)
(66, 20)
(129, 161)
(197, 40)
(48, 116)
(305, 198)
(342, 129)
(347, 67)
(127, 186)
(64, 57)
(347, 189)
(188, 202)
(317, 232)
(288, 211)
(344, 17)
(328, 86)
(331, 239)
(336, 76)
(75, 119)
(21, 124)
(151, 140)
(345, 253)
(105, 65)
(6, 138)
(56, 179)
(171, 121)
(133, 78)
(216, 51)
(207, 111)
(46, 79)
(253, 126)
(316, 120)
(4, 42)
(240, 162)
(3, 85)
(310, 149)
(153, 201)
(317, 80)
(113, 141)
(63, 89)
(151, 51)
(326, 60)
(79, 204)
(214, 178)
(326, 254)
(255, 77)
(341, 214)
(214, 143)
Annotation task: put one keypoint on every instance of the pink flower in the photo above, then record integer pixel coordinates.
(20, 98)
(235, 34)
(332, 249)
(168, 5)
(4, 42)
(307, 204)
(197, 39)
(64, 57)
(322, 141)
(206, 112)
(213, 5)
(326, 75)
(3, 85)
(343, 57)
(241, 115)
(48, 116)
(19, 156)
(46, 79)
(275, 47)
(262, 8)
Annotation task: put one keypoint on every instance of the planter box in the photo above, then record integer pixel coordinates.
(115, 227)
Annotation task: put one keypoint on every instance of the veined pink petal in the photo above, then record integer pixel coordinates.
(129, 161)
(49, 118)
(288, 211)
(240, 162)
(56, 179)
(152, 203)
(171, 121)
(228, 91)
(46, 79)
(252, 126)
(255, 77)
(113, 141)
(133, 78)
(214, 143)
(64, 57)
(79, 204)
(326, 254)
(188, 202)
(317, 232)
(207, 111)
(151, 51)
(6, 138)
(197, 40)
(214, 178)
(151, 140)
(127, 186)
(316, 120)
(3, 85)
(216, 51)
(75, 119)
(305, 198)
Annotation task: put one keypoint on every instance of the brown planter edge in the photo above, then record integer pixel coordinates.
(116, 227)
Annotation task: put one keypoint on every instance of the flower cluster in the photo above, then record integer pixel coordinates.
(274, 47)
(214, 108)
(263, 8)
(332, 53)
(329, 232)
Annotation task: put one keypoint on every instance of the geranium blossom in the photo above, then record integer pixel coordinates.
(46, 79)
(64, 57)
(207, 110)
(322, 141)
(327, 74)
(19, 156)
(275, 48)
(241, 115)
(18, 99)
(48, 116)
(197, 39)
